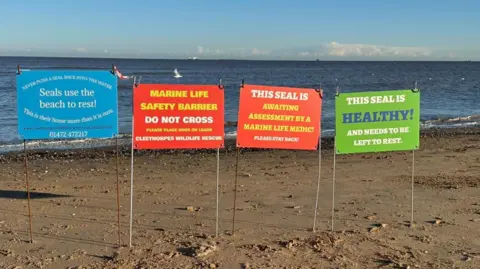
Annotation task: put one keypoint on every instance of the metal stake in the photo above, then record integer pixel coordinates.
(218, 174)
(218, 182)
(333, 181)
(319, 167)
(118, 194)
(413, 170)
(235, 194)
(28, 188)
(318, 183)
(131, 164)
(337, 93)
(131, 189)
(413, 182)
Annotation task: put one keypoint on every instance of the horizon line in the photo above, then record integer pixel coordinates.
(233, 59)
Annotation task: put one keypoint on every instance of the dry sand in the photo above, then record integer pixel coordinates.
(75, 219)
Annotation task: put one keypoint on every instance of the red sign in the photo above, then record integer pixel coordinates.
(279, 117)
(178, 116)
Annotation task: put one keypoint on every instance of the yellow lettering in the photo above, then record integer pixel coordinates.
(201, 107)
(301, 129)
(199, 94)
(274, 117)
(154, 130)
(170, 129)
(157, 106)
(281, 107)
(257, 127)
(168, 93)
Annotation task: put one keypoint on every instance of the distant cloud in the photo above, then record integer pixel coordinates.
(81, 50)
(229, 52)
(367, 50)
(212, 51)
(330, 50)
(256, 51)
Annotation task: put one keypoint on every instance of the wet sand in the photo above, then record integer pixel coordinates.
(74, 208)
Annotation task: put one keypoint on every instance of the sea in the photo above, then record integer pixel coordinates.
(450, 91)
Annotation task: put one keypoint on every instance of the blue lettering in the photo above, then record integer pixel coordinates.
(394, 115)
(367, 117)
(358, 117)
(377, 116)
(405, 114)
(347, 117)
(383, 114)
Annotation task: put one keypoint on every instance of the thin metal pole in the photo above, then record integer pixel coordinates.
(235, 194)
(28, 188)
(413, 182)
(413, 172)
(131, 164)
(333, 181)
(337, 93)
(218, 182)
(318, 183)
(131, 188)
(218, 176)
(118, 194)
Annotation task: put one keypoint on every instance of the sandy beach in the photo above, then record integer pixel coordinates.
(75, 211)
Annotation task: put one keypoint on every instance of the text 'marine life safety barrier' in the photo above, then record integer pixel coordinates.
(67, 104)
(173, 116)
(279, 117)
(377, 121)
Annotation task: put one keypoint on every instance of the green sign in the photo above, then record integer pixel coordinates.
(377, 121)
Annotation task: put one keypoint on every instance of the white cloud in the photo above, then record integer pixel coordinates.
(326, 50)
(306, 54)
(106, 51)
(333, 51)
(368, 50)
(256, 51)
(230, 52)
(81, 50)
(213, 51)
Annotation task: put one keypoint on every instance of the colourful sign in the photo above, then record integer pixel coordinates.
(279, 117)
(67, 104)
(377, 121)
(178, 116)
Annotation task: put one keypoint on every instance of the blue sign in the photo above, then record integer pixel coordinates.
(67, 104)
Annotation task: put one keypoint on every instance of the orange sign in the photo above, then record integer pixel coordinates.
(172, 116)
(279, 117)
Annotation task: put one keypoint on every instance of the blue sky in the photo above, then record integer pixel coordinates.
(261, 29)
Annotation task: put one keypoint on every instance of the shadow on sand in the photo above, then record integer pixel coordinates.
(9, 194)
